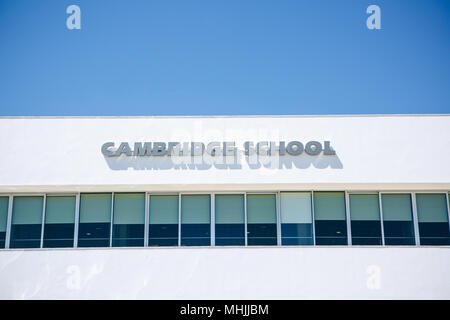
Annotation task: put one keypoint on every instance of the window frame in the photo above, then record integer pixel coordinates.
(147, 216)
(277, 216)
(113, 214)
(211, 217)
(311, 194)
(447, 196)
(213, 212)
(75, 236)
(412, 195)
(77, 217)
(347, 216)
(378, 194)
(10, 213)
(212, 195)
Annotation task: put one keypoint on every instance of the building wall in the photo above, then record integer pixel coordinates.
(372, 152)
(379, 153)
(226, 273)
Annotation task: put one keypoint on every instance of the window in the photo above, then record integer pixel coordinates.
(433, 219)
(365, 219)
(129, 220)
(296, 218)
(4, 201)
(329, 215)
(195, 220)
(261, 219)
(95, 220)
(397, 219)
(230, 228)
(163, 228)
(26, 222)
(59, 221)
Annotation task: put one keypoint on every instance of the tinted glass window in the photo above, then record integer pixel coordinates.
(195, 220)
(163, 228)
(397, 219)
(4, 201)
(296, 218)
(433, 219)
(261, 219)
(329, 218)
(230, 228)
(129, 220)
(365, 219)
(59, 221)
(26, 222)
(95, 220)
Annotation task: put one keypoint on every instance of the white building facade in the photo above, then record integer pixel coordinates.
(225, 207)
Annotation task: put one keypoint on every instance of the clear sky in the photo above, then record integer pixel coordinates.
(220, 57)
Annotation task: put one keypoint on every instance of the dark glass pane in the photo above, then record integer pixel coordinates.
(331, 232)
(399, 241)
(230, 234)
(163, 235)
(286, 241)
(371, 241)
(4, 204)
(230, 241)
(366, 232)
(195, 242)
(262, 234)
(93, 243)
(25, 236)
(163, 242)
(435, 241)
(331, 228)
(297, 234)
(331, 241)
(434, 229)
(262, 241)
(26, 243)
(296, 230)
(398, 229)
(2, 240)
(58, 243)
(366, 228)
(434, 233)
(195, 234)
(94, 234)
(230, 230)
(127, 242)
(399, 233)
(128, 235)
(58, 235)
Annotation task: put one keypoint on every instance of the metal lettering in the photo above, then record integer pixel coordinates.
(294, 148)
(328, 150)
(262, 148)
(159, 149)
(105, 149)
(248, 148)
(229, 149)
(142, 151)
(197, 148)
(124, 148)
(313, 148)
(213, 149)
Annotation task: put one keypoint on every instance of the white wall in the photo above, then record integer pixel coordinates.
(226, 273)
(373, 152)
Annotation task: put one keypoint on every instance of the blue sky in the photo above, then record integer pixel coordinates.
(217, 57)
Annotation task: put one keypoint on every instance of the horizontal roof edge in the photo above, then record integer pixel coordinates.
(227, 116)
